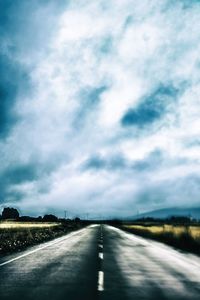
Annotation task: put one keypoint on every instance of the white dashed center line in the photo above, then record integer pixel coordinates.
(101, 273)
(101, 255)
(100, 281)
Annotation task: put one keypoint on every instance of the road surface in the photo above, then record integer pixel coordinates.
(100, 262)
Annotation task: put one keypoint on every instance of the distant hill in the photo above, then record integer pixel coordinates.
(193, 212)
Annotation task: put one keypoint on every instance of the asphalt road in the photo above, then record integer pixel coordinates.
(100, 262)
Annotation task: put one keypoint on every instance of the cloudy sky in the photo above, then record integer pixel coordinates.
(100, 105)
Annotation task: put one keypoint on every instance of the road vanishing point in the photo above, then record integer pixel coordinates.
(100, 262)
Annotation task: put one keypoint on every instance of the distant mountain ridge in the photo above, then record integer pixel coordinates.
(193, 212)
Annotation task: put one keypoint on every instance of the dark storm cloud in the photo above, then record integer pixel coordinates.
(25, 26)
(151, 108)
(20, 16)
(153, 161)
(168, 192)
(16, 18)
(17, 175)
(20, 174)
(108, 163)
(13, 77)
(14, 196)
(16, 40)
(95, 162)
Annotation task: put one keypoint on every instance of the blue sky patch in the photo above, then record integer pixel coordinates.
(152, 108)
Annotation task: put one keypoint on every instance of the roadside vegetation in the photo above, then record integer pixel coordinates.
(16, 236)
(17, 233)
(175, 232)
(26, 225)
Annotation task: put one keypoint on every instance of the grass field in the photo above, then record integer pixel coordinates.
(193, 231)
(18, 225)
(15, 236)
(184, 237)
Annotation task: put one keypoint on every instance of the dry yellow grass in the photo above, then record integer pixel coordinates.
(194, 231)
(24, 225)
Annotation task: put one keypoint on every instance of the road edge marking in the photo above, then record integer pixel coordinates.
(42, 247)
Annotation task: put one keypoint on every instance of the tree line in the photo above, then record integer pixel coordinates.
(10, 213)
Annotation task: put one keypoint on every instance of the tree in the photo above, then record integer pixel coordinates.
(10, 213)
(77, 220)
(50, 218)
